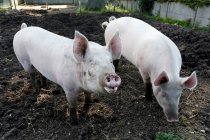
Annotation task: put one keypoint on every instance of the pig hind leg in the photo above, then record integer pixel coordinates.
(28, 67)
(149, 92)
(87, 101)
(148, 85)
(43, 81)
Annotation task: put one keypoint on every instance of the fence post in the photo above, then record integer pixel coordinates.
(80, 7)
(46, 1)
(15, 4)
(10, 2)
(209, 25)
(196, 11)
(167, 10)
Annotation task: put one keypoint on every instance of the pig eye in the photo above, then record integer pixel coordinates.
(163, 94)
(89, 73)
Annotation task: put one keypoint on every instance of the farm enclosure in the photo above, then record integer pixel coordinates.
(125, 114)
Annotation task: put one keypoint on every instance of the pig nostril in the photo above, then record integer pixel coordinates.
(108, 79)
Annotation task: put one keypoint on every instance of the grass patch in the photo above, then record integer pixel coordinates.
(167, 136)
(109, 7)
(182, 23)
(3, 10)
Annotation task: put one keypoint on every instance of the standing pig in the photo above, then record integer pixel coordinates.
(157, 58)
(74, 64)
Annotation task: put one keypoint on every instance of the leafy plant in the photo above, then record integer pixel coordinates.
(167, 136)
(109, 7)
(3, 10)
(146, 6)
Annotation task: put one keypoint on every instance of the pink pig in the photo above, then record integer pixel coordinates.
(75, 64)
(157, 58)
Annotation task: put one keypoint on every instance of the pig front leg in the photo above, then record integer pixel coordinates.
(149, 92)
(116, 64)
(72, 101)
(147, 84)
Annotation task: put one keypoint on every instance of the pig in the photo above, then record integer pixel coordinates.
(157, 58)
(77, 65)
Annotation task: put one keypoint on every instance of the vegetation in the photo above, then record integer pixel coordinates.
(190, 3)
(109, 7)
(167, 136)
(146, 6)
(183, 23)
(95, 4)
(3, 10)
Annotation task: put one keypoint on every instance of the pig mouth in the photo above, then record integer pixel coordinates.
(111, 89)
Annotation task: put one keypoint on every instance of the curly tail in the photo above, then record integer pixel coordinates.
(112, 18)
(105, 24)
(23, 25)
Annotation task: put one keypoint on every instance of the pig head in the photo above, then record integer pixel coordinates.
(168, 91)
(95, 63)
(157, 59)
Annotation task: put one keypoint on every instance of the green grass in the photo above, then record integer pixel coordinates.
(108, 8)
(182, 23)
(167, 136)
(3, 10)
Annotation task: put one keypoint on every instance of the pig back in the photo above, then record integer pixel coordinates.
(143, 45)
(46, 51)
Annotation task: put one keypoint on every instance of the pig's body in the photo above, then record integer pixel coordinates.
(52, 55)
(75, 64)
(157, 58)
(146, 47)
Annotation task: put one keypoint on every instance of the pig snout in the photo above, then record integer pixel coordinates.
(112, 82)
(171, 115)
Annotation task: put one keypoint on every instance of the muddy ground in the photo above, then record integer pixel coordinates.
(124, 115)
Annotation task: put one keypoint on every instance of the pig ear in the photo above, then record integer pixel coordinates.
(161, 79)
(190, 82)
(80, 46)
(115, 46)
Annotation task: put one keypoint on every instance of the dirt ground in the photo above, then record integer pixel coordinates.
(124, 115)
